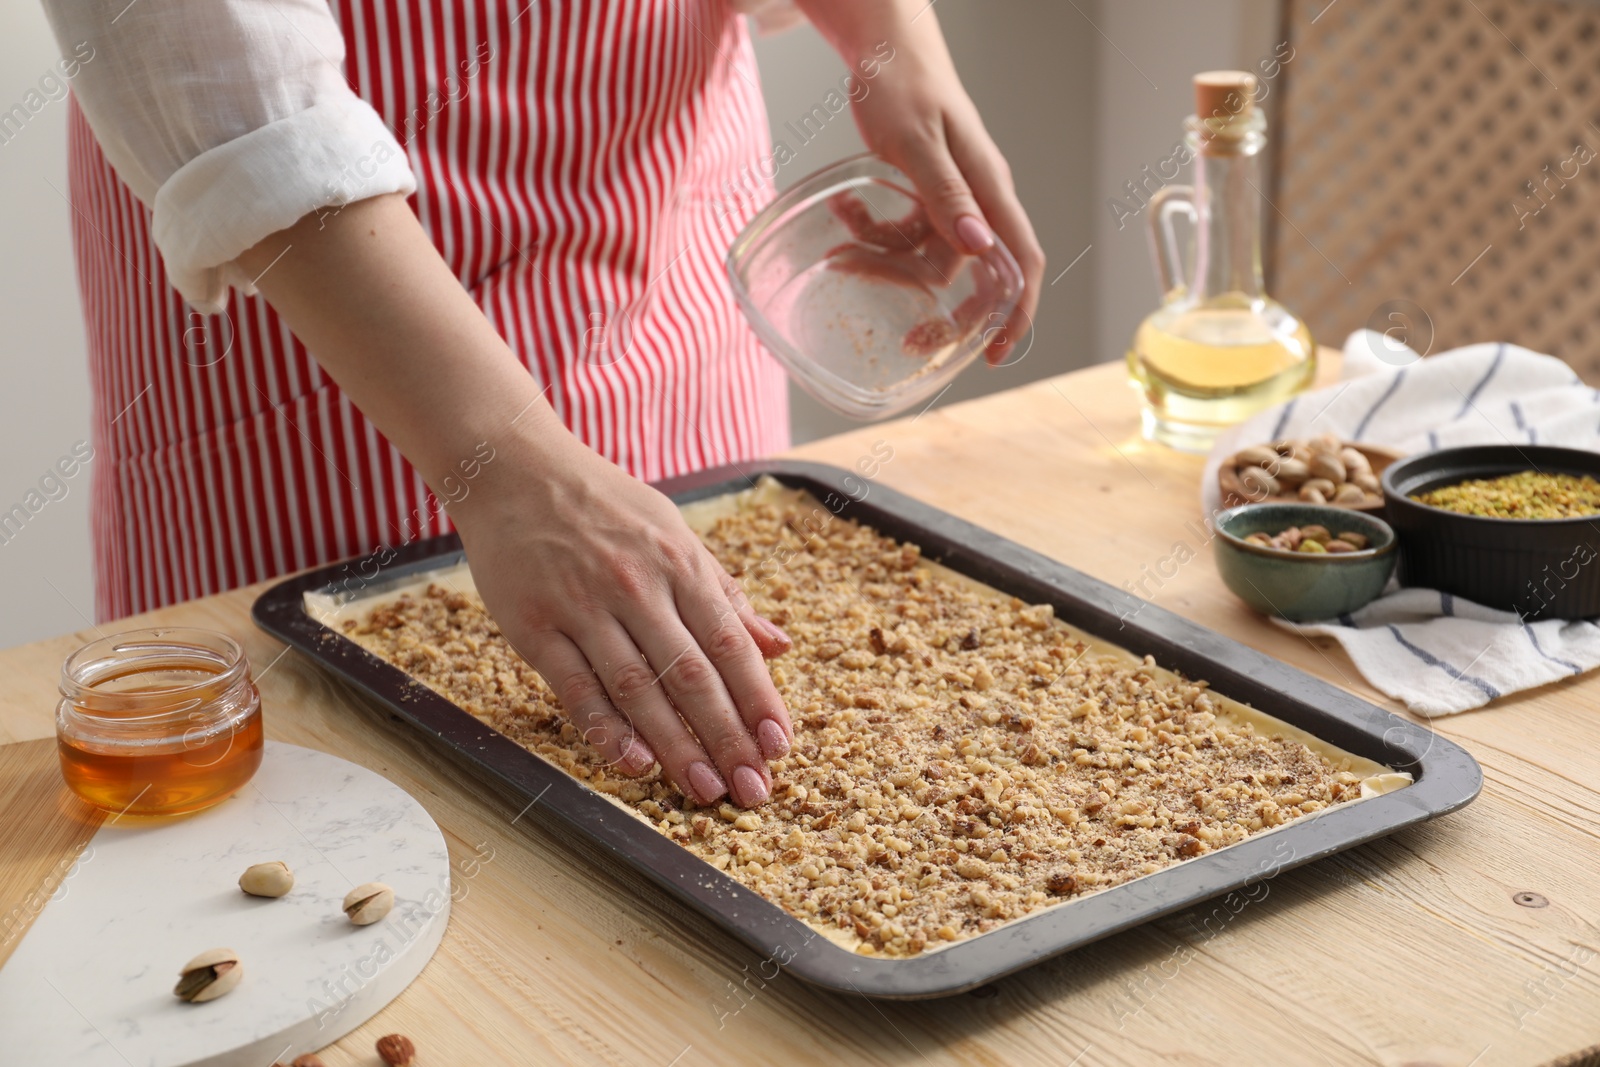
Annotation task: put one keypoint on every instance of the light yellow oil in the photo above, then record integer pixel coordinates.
(1203, 369)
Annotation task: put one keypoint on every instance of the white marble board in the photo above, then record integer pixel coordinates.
(91, 983)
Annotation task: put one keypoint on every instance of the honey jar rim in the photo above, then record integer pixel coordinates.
(80, 680)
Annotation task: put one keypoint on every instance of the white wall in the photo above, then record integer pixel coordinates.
(44, 392)
(1143, 93)
(1056, 83)
(1030, 67)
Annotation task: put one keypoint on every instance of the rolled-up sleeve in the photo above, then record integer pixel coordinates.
(231, 119)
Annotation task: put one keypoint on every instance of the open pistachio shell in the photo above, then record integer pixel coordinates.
(209, 975)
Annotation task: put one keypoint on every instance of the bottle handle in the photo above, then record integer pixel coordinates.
(1170, 273)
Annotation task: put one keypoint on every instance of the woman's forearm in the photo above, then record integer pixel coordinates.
(381, 312)
(653, 649)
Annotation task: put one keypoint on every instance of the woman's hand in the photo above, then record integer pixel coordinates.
(915, 114)
(650, 645)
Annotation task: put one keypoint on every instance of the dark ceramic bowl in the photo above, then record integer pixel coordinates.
(1301, 586)
(1538, 568)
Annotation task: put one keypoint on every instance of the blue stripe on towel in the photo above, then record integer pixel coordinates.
(1447, 603)
(1494, 365)
(1283, 420)
(1533, 638)
(1434, 661)
(1522, 423)
(1361, 428)
(1433, 439)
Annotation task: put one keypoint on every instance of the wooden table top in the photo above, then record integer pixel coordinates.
(1409, 951)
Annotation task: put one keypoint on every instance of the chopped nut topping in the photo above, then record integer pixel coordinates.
(960, 758)
(1061, 884)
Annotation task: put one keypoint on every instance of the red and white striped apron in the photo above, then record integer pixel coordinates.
(574, 162)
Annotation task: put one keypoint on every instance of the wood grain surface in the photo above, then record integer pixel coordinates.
(1413, 950)
(46, 830)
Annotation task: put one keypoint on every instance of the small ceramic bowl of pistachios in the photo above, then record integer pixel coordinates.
(1314, 470)
(1304, 561)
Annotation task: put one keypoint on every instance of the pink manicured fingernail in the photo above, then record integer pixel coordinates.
(706, 783)
(636, 757)
(748, 788)
(773, 741)
(973, 234)
(776, 634)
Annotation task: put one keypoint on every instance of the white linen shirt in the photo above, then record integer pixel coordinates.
(230, 119)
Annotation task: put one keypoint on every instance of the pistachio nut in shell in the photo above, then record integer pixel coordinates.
(1329, 467)
(1349, 493)
(267, 879)
(1354, 460)
(366, 904)
(1258, 483)
(1292, 472)
(208, 976)
(1256, 456)
(1321, 485)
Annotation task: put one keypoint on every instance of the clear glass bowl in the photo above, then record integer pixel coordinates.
(869, 309)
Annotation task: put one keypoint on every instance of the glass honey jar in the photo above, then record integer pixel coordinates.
(158, 722)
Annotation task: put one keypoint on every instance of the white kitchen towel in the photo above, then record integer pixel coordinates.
(1436, 653)
(1439, 654)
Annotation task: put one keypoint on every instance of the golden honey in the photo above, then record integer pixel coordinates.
(158, 722)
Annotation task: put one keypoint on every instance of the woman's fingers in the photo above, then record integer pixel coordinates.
(770, 639)
(747, 679)
(990, 180)
(583, 696)
(945, 191)
(636, 690)
(966, 185)
(691, 668)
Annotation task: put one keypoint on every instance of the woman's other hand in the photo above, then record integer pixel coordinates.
(912, 111)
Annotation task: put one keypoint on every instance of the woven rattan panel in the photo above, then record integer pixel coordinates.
(1435, 172)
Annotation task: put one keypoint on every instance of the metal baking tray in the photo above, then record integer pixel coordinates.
(1446, 776)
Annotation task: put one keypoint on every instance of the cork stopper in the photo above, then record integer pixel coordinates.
(1221, 96)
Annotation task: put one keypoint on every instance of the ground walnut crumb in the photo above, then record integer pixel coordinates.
(960, 759)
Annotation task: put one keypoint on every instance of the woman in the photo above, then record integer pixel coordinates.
(543, 324)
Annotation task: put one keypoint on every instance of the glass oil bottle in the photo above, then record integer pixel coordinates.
(1219, 349)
